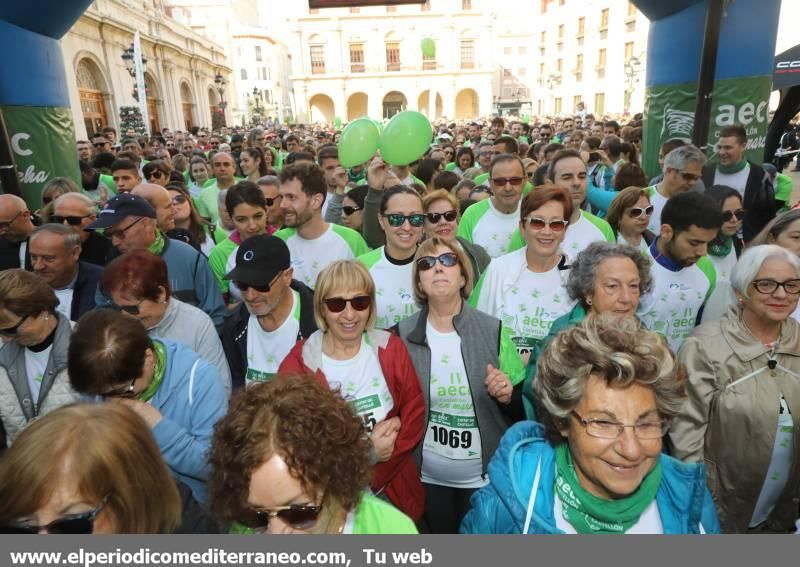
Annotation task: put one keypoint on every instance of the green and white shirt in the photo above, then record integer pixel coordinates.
(35, 367)
(483, 224)
(723, 296)
(588, 229)
(780, 466)
(267, 349)
(658, 201)
(394, 289)
(310, 257)
(451, 450)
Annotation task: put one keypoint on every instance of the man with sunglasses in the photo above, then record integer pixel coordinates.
(276, 311)
(16, 227)
(270, 186)
(101, 144)
(77, 211)
(683, 167)
(751, 181)
(130, 222)
(55, 256)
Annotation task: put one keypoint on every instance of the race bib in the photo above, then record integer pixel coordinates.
(369, 409)
(456, 437)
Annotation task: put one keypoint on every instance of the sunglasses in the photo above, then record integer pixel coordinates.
(243, 287)
(101, 144)
(503, 181)
(396, 219)
(638, 212)
(537, 223)
(12, 331)
(155, 175)
(449, 216)
(179, 199)
(347, 211)
(71, 220)
(448, 260)
(130, 309)
(728, 215)
(338, 304)
(298, 516)
(271, 200)
(82, 523)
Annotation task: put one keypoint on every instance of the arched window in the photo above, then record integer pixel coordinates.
(243, 74)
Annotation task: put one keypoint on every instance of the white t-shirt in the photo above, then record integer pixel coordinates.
(362, 384)
(451, 450)
(779, 467)
(267, 349)
(65, 301)
(723, 296)
(485, 225)
(737, 181)
(658, 201)
(310, 257)
(35, 366)
(394, 288)
(649, 522)
(582, 234)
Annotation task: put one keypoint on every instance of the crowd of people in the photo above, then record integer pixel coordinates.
(230, 332)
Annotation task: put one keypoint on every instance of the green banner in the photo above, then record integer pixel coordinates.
(669, 113)
(43, 142)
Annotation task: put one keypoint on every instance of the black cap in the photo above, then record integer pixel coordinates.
(259, 259)
(121, 206)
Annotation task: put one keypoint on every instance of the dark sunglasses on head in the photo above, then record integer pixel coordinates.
(449, 216)
(396, 219)
(728, 215)
(448, 260)
(347, 211)
(503, 181)
(71, 220)
(82, 523)
(338, 304)
(130, 309)
(298, 516)
(537, 223)
(638, 212)
(12, 331)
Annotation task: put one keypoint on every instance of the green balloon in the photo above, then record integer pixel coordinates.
(358, 143)
(428, 48)
(379, 125)
(406, 138)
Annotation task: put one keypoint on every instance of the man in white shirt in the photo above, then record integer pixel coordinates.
(683, 167)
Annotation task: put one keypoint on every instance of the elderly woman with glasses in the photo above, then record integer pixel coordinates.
(33, 356)
(744, 391)
(629, 215)
(607, 391)
(292, 458)
(372, 370)
(468, 368)
(179, 395)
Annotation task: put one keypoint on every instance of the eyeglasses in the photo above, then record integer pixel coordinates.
(449, 216)
(128, 391)
(606, 429)
(537, 223)
(448, 260)
(638, 212)
(12, 331)
(130, 309)
(503, 181)
(6, 225)
(121, 232)
(82, 523)
(179, 199)
(347, 211)
(243, 287)
(298, 516)
(396, 219)
(728, 215)
(338, 304)
(70, 220)
(768, 287)
(689, 176)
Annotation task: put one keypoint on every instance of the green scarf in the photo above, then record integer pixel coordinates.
(589, 514)
(731, 169)
(721, 247)
(158, 246)
(158, 372)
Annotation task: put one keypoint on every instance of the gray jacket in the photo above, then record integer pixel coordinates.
(17, 406)
(187, 324)
(480, 345)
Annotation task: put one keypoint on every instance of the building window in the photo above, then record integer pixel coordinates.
(630, 27)
(392, 55)
(541, 74)
(265, 73)
(426, 6)
(314, 11)
(604, 19)
(561, 32)
(243, 74)
(521, 71)
(557, 109)
(467, 54)
(258, 53)
(355, 9)
(466, 4)
(317, 59)
(628, 51)
(631, 10)
(356, 57)
(391, 8)
(601, 58)
(506, 51)
(428, 63)
(559, 66)
(522, 50)
(581, 27)
(506, 73)
(576, 99)
(579, 67)
(543, 39)
(507, 92)
(599, 104)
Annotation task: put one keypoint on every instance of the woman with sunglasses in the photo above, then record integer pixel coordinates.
(252, 164)
(353, 208)
(372, 370)
(204, 235)
(594, 465)
(33, 369)
(138, 286)
(525, 289)
(157, 172)
(629, 215)
(178, 394)
(469, 411)
(390, 266)
(744, 397)
(441, 221)
(724, 250)
(52, 190)
(291, 457)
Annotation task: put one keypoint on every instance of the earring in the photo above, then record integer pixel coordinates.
(589, 302)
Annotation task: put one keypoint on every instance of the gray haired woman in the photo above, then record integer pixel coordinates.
(744, 389)
(606, 277)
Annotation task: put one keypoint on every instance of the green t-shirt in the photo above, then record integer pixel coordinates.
(218, 259)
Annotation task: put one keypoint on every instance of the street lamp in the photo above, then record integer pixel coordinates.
(632, 70)
(130, 66)
(258, 96)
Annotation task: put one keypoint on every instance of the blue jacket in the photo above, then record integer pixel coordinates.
(683, 498)
(191, 399)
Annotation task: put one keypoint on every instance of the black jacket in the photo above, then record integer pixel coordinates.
(9, 255)
(85, 288)
(97, 250)
(234, 332)
(759, 198)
